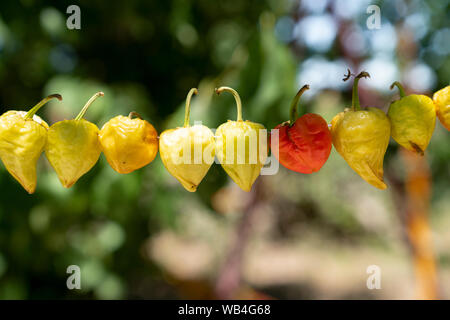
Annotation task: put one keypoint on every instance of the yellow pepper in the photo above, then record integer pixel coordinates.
(241, 146)
(413, 119)
(23, 136)
(128, 144)
(441, 100)
(72, 146)
(187, 152)
(361, 137)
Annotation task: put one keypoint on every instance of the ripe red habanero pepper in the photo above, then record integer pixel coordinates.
(304, 142)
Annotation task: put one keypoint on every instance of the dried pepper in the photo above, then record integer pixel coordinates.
(72, 146)
(413, 119)
(128, 143)
(304, 143)
(441, 100)
(361, 137)
(241, 146)
(187, 152)
(23, 136)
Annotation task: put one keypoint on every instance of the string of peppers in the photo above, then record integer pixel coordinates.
(361, 137)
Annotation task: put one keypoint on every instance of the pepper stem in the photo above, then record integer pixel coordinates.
(134, 114)
(33, 110)
(86, 106)
(293, 113)
(236, 97)
(187, 109)
(401, 90)
(355, 98)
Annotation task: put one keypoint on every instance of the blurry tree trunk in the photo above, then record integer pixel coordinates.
(229, 279)
(412, 198)
(417, 186)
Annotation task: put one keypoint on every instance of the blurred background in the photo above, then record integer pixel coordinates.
(295, 236)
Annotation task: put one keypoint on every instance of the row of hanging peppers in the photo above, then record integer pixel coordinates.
(361, 137)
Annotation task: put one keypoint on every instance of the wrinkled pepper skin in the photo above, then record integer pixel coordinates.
(305, 145)
(173, 144)
(22, 140)
(187, 152)
(73, 147)
(441, 101)
(128, 144)
(243, 168)
(240, 169)
(413, 119)
(361, 137)
(21, 144)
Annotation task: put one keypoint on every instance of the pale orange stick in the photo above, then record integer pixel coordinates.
(417, 189)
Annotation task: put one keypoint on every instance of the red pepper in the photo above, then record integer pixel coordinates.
(304, 143)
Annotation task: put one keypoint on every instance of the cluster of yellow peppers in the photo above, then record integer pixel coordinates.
(74, 146)
(362, 136)
(199, 145)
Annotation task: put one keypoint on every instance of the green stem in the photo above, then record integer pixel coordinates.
(33, 110)
(293, 113)
(355, 98)
(86, 106)
(187, 109)
(134, 114)
(236, 97)
(400, 88)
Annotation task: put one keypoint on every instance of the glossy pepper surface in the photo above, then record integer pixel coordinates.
(304, 143)
(72, 146)
(241, 146)
(361, 137)
(23, 136)
(128, 143)
(413, 119)
(187, 152)
(441, 101)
